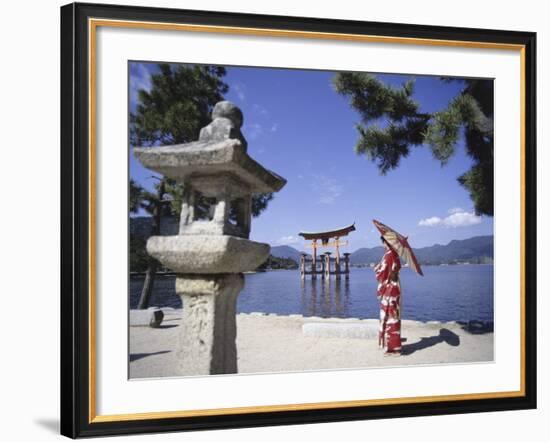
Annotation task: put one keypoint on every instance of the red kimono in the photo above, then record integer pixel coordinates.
(389, 295)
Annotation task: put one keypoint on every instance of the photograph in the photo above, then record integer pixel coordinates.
(295, 220)
(274, 220)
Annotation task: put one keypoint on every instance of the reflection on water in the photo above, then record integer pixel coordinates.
(325, 298)
(446, 293)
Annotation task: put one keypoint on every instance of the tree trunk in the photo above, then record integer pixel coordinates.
(147, 290)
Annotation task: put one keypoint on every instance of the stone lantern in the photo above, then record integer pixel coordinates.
(212, 248)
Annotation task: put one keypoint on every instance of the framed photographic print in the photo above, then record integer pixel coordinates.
(274, 220)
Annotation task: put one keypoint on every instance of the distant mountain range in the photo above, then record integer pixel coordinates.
(478, 249)
(286, 252)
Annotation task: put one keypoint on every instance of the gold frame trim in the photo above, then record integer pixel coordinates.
(93, 24)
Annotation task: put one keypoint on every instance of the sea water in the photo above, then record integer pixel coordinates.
(444, 293)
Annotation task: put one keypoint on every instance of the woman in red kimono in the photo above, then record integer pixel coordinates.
(389, 296)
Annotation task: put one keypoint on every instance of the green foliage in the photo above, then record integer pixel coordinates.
(174, 111)
(374, 100)
(178, 105)
(479, 182)
(443, 131)
(274, 263)
(135, 197)
(141, 198)
(403, 126)
(139, 260)
(260, 202)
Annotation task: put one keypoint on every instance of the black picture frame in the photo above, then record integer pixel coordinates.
(76, 402)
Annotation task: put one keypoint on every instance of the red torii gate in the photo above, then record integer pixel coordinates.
(325, 241)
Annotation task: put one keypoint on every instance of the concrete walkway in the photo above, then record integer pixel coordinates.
(270, 343)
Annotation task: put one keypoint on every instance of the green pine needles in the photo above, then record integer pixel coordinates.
(391, 124)
(173, 111)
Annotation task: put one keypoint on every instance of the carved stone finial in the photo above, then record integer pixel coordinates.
(227, 120)
(226, 109)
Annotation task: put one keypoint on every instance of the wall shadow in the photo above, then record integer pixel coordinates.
(52, 425)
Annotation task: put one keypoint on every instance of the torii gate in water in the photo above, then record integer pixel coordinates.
(323, 239)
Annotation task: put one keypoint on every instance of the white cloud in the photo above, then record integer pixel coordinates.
(328, 199)
(287, 240)
(428, 222)
(329, 189)
(461, 219)
(260, 109)
(253, 130)
(274, 127)
(239, 89)
(456, 210)
(457, 218)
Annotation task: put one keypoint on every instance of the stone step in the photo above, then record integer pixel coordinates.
(340, 330)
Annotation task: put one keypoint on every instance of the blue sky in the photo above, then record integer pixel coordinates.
(297, 126)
